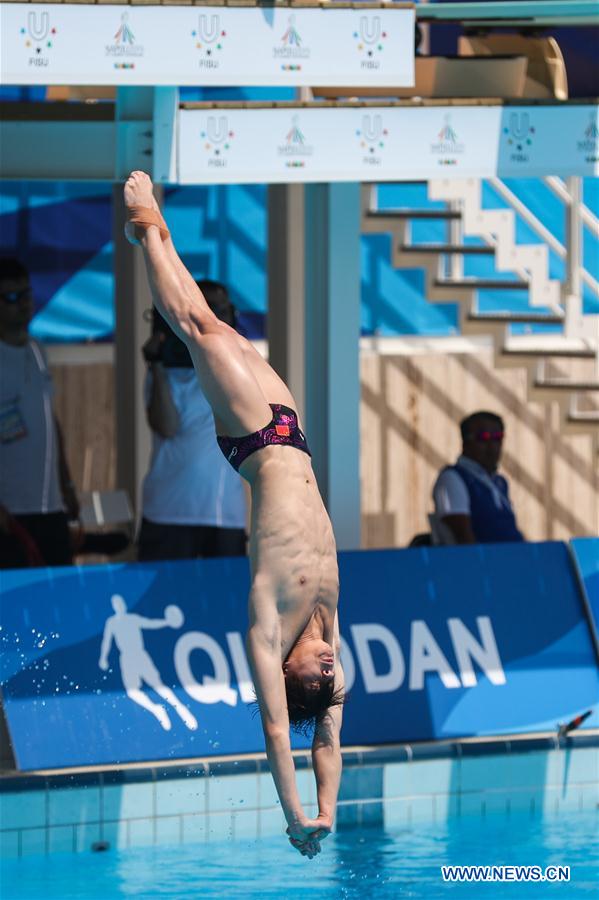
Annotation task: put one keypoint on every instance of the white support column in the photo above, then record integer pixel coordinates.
(286, 287)
(165, 128)
(134, 129)
(132, 299)
(332, 416)
(574, 326)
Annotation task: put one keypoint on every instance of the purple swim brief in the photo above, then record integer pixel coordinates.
(282, 429)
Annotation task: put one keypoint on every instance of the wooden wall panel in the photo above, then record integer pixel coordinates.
(411, 407)
(84, 404)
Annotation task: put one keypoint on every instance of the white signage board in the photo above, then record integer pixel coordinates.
(236, 145)
(219, 45)
(542, 140)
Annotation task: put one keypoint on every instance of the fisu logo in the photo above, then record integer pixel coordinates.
(520, 126)
(370, 30)
(208, 32)
(38, 35)
(370, 38)
(38, 31)
(519, 136)
(208, 37)
(371, 136)
(217, 138)
(217, 129)
(372, 128)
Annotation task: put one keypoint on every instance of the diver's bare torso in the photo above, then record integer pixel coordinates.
(292, 548)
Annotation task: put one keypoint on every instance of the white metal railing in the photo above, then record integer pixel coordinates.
(569, 193)
(560, 189)
(572, 252)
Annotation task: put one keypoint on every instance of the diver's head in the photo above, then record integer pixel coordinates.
(309, 672)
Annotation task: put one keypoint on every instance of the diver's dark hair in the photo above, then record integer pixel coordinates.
(307, 708)
(12, 269)
(469, 423)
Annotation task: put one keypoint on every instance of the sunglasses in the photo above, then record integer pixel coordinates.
(486, 436)
(15, 296)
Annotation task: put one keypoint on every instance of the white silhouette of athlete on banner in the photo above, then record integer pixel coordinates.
(125, 629)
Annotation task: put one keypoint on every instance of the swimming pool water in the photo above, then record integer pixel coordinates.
(368, 863)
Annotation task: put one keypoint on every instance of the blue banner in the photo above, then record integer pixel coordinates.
(122, 663)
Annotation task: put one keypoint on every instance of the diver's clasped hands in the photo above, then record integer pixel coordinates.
(306, 834)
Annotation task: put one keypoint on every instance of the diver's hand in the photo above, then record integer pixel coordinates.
(307, 848)
(306, 834)
(325, 824)
(302, 839)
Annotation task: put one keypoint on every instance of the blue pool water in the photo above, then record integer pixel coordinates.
(369, 863)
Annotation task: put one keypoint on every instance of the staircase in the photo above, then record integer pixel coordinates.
(528, 264)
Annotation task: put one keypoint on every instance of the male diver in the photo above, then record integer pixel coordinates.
(293, 636)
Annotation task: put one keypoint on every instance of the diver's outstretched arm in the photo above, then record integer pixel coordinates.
(326, 746)
(263, 645)
(326, 757)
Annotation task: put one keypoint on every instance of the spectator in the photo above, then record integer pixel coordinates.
(193, 501)
(472, 504)
(35, 484)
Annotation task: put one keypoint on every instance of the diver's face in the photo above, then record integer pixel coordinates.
(313, 662)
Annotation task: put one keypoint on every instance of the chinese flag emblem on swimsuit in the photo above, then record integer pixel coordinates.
(282, 430)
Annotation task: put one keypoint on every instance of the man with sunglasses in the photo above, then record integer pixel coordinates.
(35, 484)
(471, 499)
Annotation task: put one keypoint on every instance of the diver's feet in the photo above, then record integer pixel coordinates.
(138, 191)
(143, 209)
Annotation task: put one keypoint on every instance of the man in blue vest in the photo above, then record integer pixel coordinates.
(472, 503)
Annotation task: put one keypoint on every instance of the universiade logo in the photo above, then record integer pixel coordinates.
(209, 40)
(295, 149)
(589, 144)
(124, 46)
(291, 48)
(370, 41)
(371, 136)
(39, 37)
(447, 147)
(383, 664)
(217, 138)
(519, 136)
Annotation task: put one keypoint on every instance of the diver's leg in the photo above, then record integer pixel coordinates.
(238, 402)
